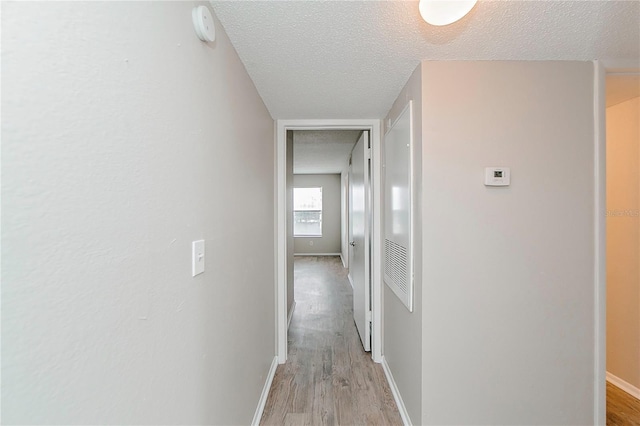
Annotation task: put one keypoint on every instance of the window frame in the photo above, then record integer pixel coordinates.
(320, 235)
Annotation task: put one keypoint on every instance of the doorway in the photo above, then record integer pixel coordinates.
(622, 97)
(283, 244)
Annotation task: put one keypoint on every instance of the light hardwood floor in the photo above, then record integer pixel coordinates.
(622, 408)
(328, 378)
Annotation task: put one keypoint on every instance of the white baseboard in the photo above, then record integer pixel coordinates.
(625, 386)
(396, 393)
(265, 392)
(293, 308)
(344, 264)
(316, 254)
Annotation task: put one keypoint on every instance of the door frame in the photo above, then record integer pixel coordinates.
(374, 127)
(599, 266)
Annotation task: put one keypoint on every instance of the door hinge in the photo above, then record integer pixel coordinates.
(367, 316)
(368, 153)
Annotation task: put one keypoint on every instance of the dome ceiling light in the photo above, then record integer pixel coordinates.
(444, 12)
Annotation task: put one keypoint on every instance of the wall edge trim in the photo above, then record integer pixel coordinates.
(265, 392)
(624, 385)
(406, 420)
(599, 245)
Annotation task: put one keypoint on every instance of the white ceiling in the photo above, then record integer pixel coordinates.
(349, 59)
(322, 151)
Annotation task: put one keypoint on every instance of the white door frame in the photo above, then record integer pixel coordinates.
(600, 290)
(374, 126)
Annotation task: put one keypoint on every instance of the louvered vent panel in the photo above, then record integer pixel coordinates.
(395, 264)
(398, 207)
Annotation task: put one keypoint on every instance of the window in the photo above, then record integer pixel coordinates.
(307, 212)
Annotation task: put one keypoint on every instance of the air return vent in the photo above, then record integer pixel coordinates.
(398, 208)
(396, 264)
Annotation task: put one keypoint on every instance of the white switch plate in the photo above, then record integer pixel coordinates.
(497, 176)
(197, 261)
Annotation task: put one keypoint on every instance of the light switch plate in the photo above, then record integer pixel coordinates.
(197, 261)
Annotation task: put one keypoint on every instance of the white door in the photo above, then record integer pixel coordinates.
(359, 238)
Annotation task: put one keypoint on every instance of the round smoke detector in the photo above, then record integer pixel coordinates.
(203, 23)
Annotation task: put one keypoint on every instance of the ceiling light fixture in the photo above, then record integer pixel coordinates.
(444, 12)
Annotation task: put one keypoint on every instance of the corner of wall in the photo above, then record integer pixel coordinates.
(402, 330)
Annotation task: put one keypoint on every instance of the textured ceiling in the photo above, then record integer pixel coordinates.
(621, 88)
(349, 59)
(322, 151)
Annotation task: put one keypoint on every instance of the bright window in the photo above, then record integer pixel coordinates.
(307, 212)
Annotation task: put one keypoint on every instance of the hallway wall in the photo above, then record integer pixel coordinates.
(402, 330)
(329, 242)
(623, 241)
(124, 139)
(508, 276)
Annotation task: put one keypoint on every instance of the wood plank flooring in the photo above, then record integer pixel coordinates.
(622, 408)
(328, 378)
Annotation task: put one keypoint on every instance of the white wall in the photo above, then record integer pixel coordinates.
(125, 138)
(508, 284)
(329, 243)
(623, 241)
(402, 345)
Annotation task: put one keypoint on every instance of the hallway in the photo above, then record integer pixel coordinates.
(328, 378)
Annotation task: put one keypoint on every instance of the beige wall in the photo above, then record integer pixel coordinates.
(402, 337)
(329, 242)
(508, 278)
(623, 241)
(124, 139)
